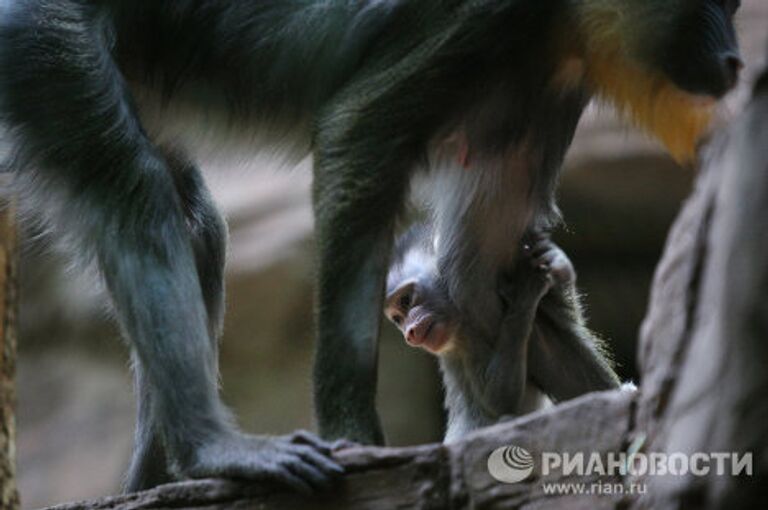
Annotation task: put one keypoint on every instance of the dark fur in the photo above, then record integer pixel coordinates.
(88, 88)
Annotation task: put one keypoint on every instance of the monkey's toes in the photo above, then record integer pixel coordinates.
(542, 254)
(344, 444)
(547, 257)
(300, 461)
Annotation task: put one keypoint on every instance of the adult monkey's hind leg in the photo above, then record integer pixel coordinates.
(149, 465)
(81, 141)
(358, 190)
(208, 235)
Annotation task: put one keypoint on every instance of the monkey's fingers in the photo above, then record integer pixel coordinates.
(277, 468)
(299, 461)
(289, 471)
(542, 249)
(308, 438)
(330, 469)
(534, 237)
(294, 482)
(302, 467)
(323, 462)
(344, 444)
(313, 469)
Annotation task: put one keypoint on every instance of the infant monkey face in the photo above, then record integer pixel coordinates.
(422, 317)
(419, 305)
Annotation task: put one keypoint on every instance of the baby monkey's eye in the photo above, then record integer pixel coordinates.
(405, 301)
(397, 319)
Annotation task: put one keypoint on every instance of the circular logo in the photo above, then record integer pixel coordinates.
(510, 464)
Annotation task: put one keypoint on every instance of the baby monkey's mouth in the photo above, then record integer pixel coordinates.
(428, 332)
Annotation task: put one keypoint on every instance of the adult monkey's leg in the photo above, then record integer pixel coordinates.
(361, 176)
(149, 465)
(208, 234)
(118, 202)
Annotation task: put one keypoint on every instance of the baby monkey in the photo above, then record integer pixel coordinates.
(542, 346)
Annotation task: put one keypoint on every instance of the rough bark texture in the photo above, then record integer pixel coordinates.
(704, 346)
(431, 477)
(704, 354)
(9, 498)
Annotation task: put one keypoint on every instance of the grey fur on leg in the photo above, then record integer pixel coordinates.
(359, 189)
(561, 333)
(208, 234)
(207, 231)
(90, 164)
(149, 466)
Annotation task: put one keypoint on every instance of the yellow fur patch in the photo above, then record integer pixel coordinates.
(678, 119)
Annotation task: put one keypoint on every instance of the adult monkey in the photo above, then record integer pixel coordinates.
(92, 91)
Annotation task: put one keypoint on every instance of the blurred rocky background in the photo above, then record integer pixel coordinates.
(619, 195)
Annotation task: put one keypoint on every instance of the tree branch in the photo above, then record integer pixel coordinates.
(427, 477)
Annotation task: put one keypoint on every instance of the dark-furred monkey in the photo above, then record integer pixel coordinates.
(108, 103)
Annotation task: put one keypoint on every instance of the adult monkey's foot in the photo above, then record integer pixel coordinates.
(300, 461)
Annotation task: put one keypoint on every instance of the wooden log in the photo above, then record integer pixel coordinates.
(9, 498)
(430, 477)
(704, 347)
